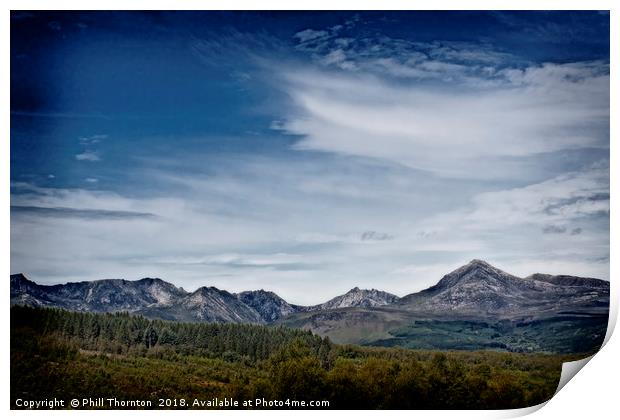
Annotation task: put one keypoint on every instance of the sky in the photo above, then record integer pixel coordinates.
(308, 153)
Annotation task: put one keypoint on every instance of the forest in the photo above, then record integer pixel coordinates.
(61, 354)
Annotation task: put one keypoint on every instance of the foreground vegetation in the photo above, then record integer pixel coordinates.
(59, 354)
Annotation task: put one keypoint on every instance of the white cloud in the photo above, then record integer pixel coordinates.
(512, 227)
(309, 35)
(88, 156)
(458, 132)
(339, 59)
(562, 199)
(244, 227)
(92, 140)
(465, 52)
(321, 229)
(383, 55)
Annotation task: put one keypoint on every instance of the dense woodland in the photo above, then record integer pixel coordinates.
(55, 353)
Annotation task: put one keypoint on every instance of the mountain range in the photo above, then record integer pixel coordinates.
(156, 298)
(474, 306)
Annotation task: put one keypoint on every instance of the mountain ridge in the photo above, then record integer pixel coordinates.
(475, 290)
(159, 299)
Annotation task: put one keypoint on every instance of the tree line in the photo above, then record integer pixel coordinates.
(125, 333)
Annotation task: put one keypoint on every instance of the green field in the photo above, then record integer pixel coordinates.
(65, 355)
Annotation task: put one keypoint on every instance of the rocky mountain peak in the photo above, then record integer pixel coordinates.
(207, 291)
(22, 289)
(478, 266)
(357, 297)
(151, 280)
(479, 287)
(18, 278)
(162, 292)
(269, 305)
(476, 272)
(479, 263)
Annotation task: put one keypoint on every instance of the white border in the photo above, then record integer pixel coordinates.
(592, 395)
(311, 5)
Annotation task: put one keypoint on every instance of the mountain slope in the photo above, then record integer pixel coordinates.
(207, 304)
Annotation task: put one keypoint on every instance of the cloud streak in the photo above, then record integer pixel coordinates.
(88, 156)
(457, 133)
(65, 212)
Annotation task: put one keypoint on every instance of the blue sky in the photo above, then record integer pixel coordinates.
(308, 152)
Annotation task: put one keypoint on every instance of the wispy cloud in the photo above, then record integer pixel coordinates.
(456, 133)
(309, 34)
(88, 156)
(407, 59)
(371, 235)
(568, 197)
(92, 140)
(551, 229)
(78, 213)
(533, 223)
